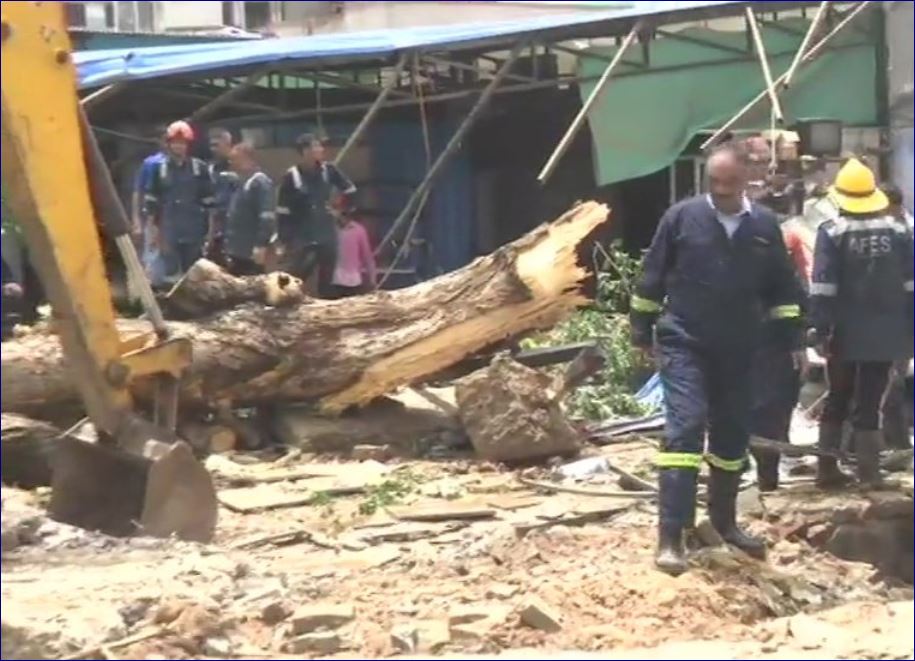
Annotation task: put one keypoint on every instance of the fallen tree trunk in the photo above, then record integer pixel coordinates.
(27, 450)
(340, 353)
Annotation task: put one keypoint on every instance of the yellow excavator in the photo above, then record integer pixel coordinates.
(138, 478)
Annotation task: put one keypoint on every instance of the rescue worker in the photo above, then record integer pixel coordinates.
(861, 308)
(896, 406)
(144, 232)
(716, 268)
(776, 379)
(224, 183)
(177, 201)
(251, 219)
(307, 229)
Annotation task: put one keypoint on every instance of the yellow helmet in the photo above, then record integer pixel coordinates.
(855, 189)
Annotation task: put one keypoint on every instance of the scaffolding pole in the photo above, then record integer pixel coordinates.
(582, 115)
(764, 65)
(383, 95)
(814, 25)
(452, 146)
(780, 81)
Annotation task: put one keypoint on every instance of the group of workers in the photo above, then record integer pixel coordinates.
(728, 315)
(230, 211)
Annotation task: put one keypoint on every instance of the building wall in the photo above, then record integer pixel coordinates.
(900, 34)
(356, 16)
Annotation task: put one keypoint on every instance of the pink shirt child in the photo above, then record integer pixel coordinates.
(354, 257)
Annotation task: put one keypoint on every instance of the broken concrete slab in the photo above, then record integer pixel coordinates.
(501, 591)
(438, 510)
(275, 611)
(311, 617)
(431, 636)
(372, 452)
(385, 423)
(319, 642)
(537, 614)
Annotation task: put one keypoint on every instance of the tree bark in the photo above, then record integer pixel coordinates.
(338, 353)
(26, 449)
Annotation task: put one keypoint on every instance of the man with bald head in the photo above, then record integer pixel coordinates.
(251, 218)
(716, 270)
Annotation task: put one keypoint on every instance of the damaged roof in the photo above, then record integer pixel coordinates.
(104, 67)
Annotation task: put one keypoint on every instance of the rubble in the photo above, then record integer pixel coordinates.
(538, 615)
(543, 570)
(312, 617)
(319, 642)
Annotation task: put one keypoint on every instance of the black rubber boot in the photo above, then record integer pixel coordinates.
(722, 512)
(829, 476)
(766, 470)
(676, 512)
(868, 444)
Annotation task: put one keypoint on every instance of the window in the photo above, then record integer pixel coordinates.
(76, 14)
(257, 14)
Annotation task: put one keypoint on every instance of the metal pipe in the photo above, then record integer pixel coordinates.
(809, 55)
(100, 95)
(821, 12)
(764, 65)
(228, 96)
(579, 120)
(386, 90)
(453, 144)
(108, 204)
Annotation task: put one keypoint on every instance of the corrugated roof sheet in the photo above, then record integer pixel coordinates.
(104, 67)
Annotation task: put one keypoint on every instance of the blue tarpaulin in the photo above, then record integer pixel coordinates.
(103, 67)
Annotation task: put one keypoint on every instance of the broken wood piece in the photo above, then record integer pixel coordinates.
(582, 491)
(207, 288)
(278, 539)
(343, 353)
(438, 510)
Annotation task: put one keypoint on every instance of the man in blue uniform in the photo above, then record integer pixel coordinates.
(225, 181)
(306, 227)
(717, 268)
(251, 219)
(861, 307)
(177, 200)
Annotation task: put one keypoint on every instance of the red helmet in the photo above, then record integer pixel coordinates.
(179, 130)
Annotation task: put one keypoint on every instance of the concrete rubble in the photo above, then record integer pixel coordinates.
(417, 557)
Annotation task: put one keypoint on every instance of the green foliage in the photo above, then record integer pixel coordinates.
(605, 322)
(389, 492)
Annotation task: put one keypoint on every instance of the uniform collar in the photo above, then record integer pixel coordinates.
(745, 207)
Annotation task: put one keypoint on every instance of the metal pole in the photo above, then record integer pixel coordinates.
(809, 55)
(373, 110)
(452, 146)
(821, 12)
(579, 120)
(100, 95)
(228, 96)
(764, 65)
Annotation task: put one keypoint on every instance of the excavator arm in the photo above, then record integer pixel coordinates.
(139, 477)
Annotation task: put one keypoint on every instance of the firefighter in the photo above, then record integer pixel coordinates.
(251, 219)
(177, 199)
(225, 181)
(861, 307)
(717, 267)
(307, 231)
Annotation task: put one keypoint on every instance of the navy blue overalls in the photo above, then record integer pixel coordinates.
(178, 197)
(706, 296)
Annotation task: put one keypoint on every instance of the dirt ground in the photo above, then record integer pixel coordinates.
(455, 558)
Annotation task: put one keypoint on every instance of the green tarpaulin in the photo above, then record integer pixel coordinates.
(645, 117)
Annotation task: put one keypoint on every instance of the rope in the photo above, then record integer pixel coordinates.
(427, 143)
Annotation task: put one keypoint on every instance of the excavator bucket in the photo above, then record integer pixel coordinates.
(163, 491)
